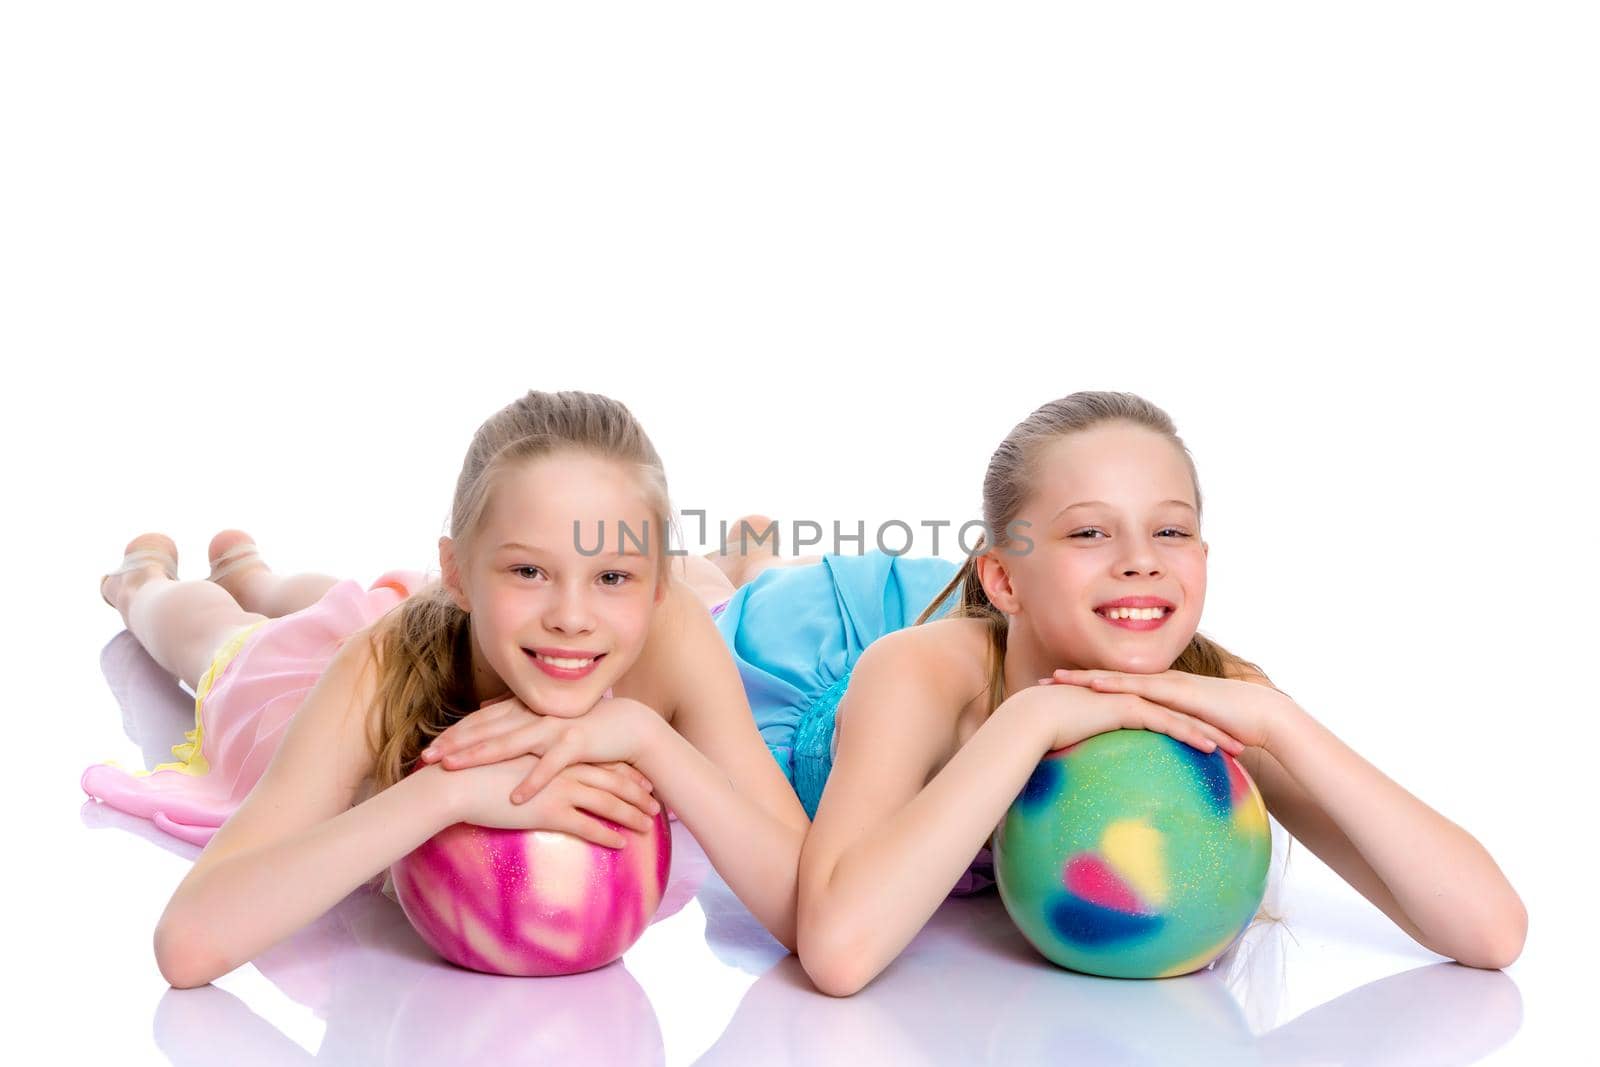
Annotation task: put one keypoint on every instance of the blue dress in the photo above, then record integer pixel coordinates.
(796, 633)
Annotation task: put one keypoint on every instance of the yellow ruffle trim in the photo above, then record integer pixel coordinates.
(190, 759)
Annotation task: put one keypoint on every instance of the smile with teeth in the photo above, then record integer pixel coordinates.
(565, 663)
(1133, 613)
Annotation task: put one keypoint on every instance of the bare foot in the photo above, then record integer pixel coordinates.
(234, 559)
(147, 556)
(742, 547)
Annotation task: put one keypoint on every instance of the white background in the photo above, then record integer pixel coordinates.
(270, 267)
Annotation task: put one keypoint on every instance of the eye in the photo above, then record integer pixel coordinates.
(623, 576)
(518, 570)
(1173, 530)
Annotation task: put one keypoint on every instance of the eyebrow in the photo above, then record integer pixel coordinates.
(1103, 504)
(535, 549)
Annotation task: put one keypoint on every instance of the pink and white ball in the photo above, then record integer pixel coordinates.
(532, 902)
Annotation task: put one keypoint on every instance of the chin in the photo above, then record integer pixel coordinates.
(1138, 663)
(566, 705)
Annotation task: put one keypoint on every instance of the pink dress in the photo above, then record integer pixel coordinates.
(243, 704)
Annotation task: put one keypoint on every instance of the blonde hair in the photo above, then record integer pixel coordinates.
(421, 647)
(1008, 483)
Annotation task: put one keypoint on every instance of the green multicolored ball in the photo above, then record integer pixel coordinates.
(1134, 855)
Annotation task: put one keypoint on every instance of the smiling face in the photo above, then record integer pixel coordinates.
(549, 623)
(1112, 517)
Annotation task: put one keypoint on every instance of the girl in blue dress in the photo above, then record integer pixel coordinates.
(922, 695)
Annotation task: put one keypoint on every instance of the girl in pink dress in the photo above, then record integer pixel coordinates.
(567, 651)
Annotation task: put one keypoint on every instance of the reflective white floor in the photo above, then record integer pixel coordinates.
(706, 984)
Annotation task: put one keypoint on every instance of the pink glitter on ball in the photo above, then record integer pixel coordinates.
(533, 902)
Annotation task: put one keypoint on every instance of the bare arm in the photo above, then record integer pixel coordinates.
(296, 847)
(1430, 876)
(713, 769)
(885, 849)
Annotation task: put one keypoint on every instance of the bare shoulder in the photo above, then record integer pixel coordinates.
(896, 725)
(343, 706)
(953, 653)
(940, 667)
(321, 762)
(681, 634)
(687, 675)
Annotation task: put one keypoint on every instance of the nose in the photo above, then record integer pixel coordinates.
(1139, 558)
(568, 610)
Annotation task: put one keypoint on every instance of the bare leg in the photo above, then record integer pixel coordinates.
(753, 547)
(181, 624)
(251, 582)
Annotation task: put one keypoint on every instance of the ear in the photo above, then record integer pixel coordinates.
(1205, 550)
(995, 577)
(450, 574)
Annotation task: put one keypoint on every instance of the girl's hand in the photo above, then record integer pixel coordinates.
(613, 731)
(1244, 710)
(1075, 713)
(497, 731)
(576, 801)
